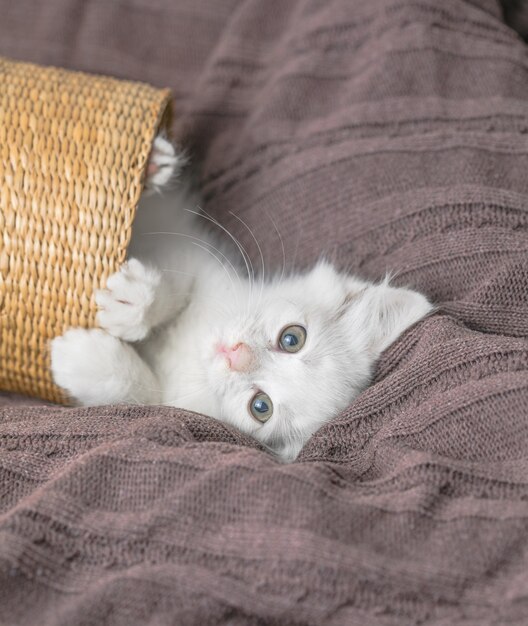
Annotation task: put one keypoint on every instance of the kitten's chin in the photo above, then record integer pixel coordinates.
(287, 453)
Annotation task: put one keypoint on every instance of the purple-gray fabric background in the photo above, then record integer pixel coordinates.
(390, 135)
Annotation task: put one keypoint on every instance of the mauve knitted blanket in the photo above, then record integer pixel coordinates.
(390, 135)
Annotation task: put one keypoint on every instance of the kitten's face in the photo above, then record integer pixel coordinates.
(299, 352)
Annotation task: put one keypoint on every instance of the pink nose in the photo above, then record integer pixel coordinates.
(239, 356)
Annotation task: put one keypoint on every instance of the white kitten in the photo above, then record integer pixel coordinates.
(275, 359)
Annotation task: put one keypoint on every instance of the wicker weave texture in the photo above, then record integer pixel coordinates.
(73, 153)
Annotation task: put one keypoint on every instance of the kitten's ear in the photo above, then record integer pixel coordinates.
(385, 312)
(322, 273)
(326, 283)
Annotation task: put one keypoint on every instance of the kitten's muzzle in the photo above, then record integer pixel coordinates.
(239, 358)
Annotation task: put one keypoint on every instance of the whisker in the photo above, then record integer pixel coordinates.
(260, 252)
(187, 236)
(300, 233)
(212, 298)
(202, 241)
(179, 272)
(194, 243)
(241, 249)
(282, 246)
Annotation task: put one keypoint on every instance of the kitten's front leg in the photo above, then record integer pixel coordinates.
(137, 298)
(96, 368)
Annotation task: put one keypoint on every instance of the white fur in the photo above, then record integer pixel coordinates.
(97, 368)
(184, 293)
(165, 164)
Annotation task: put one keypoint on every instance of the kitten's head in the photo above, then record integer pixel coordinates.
(288, 357)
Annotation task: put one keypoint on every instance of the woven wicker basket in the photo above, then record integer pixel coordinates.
(73, 153)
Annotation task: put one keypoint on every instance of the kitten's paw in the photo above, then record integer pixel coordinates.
(164, 164)
(126, 305)
(83, 363)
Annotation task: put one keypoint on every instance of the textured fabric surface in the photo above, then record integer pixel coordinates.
(390, 135)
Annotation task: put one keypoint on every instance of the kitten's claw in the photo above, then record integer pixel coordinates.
(126, 305)
(164, 164)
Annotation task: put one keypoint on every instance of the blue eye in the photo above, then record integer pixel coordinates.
(292, 338)
(261, 406)
(289, 340)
